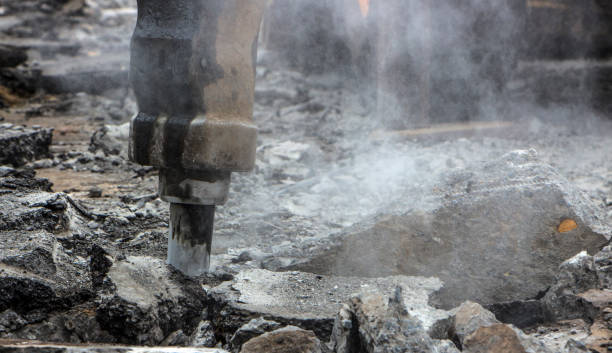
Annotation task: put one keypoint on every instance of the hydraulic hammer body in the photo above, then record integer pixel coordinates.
(193, 73)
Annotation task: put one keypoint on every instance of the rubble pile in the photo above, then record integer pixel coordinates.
(63, 281)
(63, 48)
(19, 145)
(336, 242)
(507, 216)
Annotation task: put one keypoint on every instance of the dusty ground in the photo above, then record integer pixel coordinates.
(320, 168)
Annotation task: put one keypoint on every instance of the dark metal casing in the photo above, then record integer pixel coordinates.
(193, 73)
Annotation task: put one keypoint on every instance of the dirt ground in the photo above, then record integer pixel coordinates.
(321, 165)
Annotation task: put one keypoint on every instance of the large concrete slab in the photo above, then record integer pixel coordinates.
(499, 233)
(307, 300)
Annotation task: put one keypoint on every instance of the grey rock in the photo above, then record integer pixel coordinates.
(469, 317)
(21, 181)
(579, 292)
(17, 147)
(4, 171)
(43, 163)
(573, 346)
(145, 301)
(287, 339)
(251, 329)
(603, 267)
(7, 22)
(374, 322)
(76, 325)
(520, 313)
(515, 217)
(100, 263)
(445, 346)
(176, 338)
(203, 335)
(531, 344)
(20, 213)
(598, 303)
(574, 276)
(343, 337)
(45, 278)
(558, 337)
(11, 321)
(11, 56)
(501, 338)
(37, 274)
(50, 289)
(93, 225)
(307, 300)
(111, 139)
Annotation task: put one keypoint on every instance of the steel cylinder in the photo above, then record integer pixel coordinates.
(190, 239)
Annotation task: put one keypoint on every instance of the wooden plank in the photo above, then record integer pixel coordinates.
(546, 4)
(465, 127)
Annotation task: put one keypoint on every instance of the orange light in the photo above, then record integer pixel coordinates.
(364, 6)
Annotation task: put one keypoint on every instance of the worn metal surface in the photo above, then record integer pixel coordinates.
(193, 73)
(176, 186)
(189, 241)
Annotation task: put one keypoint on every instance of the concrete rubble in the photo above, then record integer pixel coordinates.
(11, 56)
(336, 242)
(455, 241)
(286, 339)
(19, 145)
(90, 265)
(143, 303)
(475, 329)
(251, 329)
(111, 139)
(377, 322)
(468, 318)
(501, 338)
(563, 300)
(574, 311)
(306, 300)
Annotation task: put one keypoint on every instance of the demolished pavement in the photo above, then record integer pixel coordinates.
(335, 243)
(499, 233)
(65, 280)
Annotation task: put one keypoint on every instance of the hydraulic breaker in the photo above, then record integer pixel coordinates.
(193, 74)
